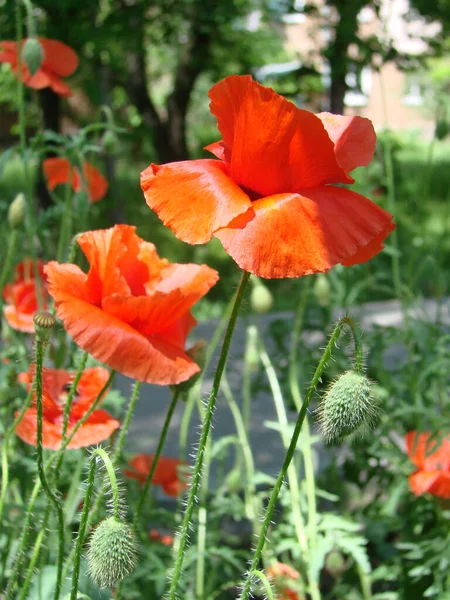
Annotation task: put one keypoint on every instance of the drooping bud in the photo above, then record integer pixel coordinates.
(32, 54)
(112, 552)
(110, 141)
(261, 299)
(17, 211)
(321, 289)
(335, 563)
(43, 325)
(348, 406)
(198, 355)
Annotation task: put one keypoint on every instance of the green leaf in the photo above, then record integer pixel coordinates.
(317, 560)
(355, 547)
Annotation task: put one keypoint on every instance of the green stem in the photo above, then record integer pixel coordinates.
(98, 452)
(126, 423)
(66, 224)
(344, 322)
(160, 446)
(5, 447)
(40, 351)
(184, 533)
(20, 86)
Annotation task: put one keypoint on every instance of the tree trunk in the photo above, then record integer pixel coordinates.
(338, 88)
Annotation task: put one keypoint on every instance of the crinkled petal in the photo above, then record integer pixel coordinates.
(194, 198)
(292, 235)
(98, 427)
(59, 58)
(354, 139)
(271, 146)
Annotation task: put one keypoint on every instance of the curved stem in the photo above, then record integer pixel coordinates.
(191, 501)
(9, 258)
(342, 323)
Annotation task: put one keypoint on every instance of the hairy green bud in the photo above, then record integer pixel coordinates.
(112, 553)
(32, 55)
(335, 563)
(251, 349)
(261, 299)
(347, 407)
(17, 211)
(321, 289)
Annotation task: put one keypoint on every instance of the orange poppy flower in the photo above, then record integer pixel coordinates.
(433, 474)
(58, 171)
(157, 536)
(55, 385)
(280, 573)
(132, 310)
(269, 199)
(59, 61)
(166, 473)
(21, 296)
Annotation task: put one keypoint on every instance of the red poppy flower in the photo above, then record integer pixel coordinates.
(166, 473)
(132, 310)
(157, 536)
(58, 171)
(56, 384)
(281, 573)
(22, 296)
(269, 199)
(433, 474)
(59, 61)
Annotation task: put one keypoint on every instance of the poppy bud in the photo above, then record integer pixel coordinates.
(261, 300)
(43, 324)
(32, 55)
(251, 349)
(234, 480)
(198, 355)
(347, 406)
(442, 129)
(321, 289)
(17, 211)
(335, 563)
(110, 141)
(112, 552)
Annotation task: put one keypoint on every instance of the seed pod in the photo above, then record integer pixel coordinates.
(112, 552)
(261, 299)
(32, 55)
(347, 406)
(43, 325)
(251, 349)
(17, 211)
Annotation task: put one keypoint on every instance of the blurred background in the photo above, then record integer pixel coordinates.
(153, 61)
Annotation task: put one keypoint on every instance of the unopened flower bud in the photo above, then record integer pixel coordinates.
(43, 325)
(261, 300)
(335, 563)
(321, 289)
(234, 481)
(110, 141)
(251, 349)
(198, 355)
(32, 55)
(347, 406)
(112, 552)
(17, 211)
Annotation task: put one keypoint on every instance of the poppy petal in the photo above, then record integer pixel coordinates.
(57, 171)
(354, 139)
(193, 198)
(58, 57)
(38, 81)
(441, 486)
(216, 148)
(117, 344)
(293, 235)
(290, 152)
(96, 183)
(17, 320)
(98, 427)
(59, 86)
